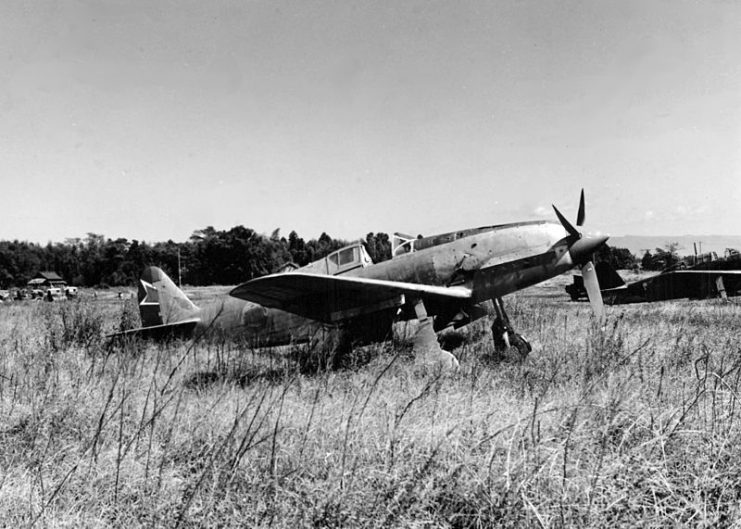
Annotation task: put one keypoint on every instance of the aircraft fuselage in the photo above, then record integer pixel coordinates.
(491, 261)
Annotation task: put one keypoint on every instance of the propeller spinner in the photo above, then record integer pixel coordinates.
(581, 249)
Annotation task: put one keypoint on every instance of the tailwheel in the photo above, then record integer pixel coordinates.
(508, 344)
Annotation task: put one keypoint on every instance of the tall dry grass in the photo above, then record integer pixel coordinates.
(633, 424)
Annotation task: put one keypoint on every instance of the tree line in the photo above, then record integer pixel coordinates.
(662, 258)
(208, 257)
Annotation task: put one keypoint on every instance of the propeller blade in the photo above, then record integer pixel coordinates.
(580, 215)
(591, 283)
(566, 224)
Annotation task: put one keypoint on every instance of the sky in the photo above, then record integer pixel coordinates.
(152, 119)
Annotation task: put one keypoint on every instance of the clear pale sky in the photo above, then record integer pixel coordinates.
(151, 119)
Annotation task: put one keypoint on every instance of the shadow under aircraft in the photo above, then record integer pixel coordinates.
(442, 281)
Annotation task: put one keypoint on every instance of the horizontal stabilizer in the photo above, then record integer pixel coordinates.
(181, 329)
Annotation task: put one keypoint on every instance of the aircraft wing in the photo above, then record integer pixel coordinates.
(331, 299)
(683, 284)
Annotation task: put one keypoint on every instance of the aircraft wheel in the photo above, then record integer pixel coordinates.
(520, 346)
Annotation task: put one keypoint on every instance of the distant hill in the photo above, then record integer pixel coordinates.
(710, 243)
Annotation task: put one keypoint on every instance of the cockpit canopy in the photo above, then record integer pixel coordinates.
(402, 243)
(340, 261)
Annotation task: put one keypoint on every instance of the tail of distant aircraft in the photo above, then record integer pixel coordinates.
(165, 310)
(608, 277)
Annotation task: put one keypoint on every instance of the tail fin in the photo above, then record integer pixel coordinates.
(608, 277)
(161, 302)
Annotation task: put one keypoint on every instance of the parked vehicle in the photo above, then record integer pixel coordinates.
(71, 292)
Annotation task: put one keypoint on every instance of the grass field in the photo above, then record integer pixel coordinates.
(635, 425)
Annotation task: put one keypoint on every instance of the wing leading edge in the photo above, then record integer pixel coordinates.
(331, 299)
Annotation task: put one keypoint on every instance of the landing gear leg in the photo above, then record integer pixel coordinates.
(507, 343)
(426, 349)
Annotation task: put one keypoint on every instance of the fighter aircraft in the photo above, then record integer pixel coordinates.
(442, 281)
(693, 283)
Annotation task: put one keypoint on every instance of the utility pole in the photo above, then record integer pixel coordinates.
(180, 279)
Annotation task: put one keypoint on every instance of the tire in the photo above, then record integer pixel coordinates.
(521, 345)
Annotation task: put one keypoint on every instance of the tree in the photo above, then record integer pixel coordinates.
(318, 248)
(379, 246)
(617, 258)
(667, 257)
(671, 254)
(647, 262)
(297, 249)
(662, 258)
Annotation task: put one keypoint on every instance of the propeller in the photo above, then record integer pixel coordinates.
(581, 249)
(591, 283)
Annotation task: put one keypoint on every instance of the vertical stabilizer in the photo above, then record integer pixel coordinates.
(161, 302)
(608, 277)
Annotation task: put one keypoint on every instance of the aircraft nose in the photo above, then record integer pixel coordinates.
(583, 248)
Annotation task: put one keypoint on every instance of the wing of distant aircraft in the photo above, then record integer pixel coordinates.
(675, 284)
(696, 284)
(331, 299)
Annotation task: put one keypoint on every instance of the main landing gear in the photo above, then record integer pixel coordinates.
(427, 350)
(507, 343)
